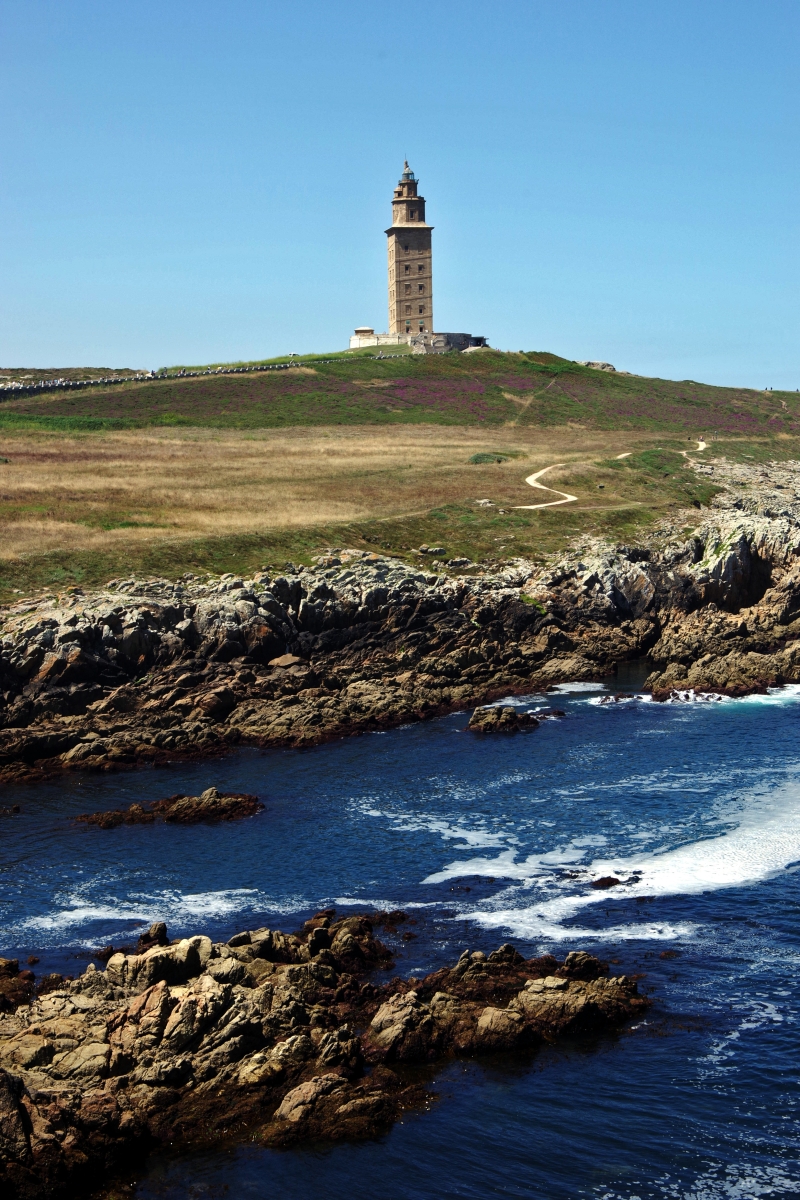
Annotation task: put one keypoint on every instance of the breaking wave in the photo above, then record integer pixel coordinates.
(764, 843)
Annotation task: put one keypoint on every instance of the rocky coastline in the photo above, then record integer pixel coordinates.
(272, 1037)
(282, 1037)
(149, 671)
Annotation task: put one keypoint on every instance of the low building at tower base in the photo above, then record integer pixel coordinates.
(420, 343)
(364, 335)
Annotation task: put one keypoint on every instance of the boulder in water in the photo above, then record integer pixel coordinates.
(210, 805)
(505, 718)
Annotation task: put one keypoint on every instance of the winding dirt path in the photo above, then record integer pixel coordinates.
(566, 498)
(533, 481)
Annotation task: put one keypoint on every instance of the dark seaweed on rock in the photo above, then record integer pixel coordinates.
(272, 1037)
(16, 986)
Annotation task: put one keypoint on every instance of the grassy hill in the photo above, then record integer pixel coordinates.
(489, 388)
(234, 471)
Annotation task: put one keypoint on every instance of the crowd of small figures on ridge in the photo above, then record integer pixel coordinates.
(271, 1036)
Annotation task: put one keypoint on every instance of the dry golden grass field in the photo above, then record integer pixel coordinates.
(253, 468)
(83, 507)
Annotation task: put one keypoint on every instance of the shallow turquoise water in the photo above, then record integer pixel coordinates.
(695, 806)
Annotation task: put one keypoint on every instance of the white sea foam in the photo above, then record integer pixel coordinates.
(690, 696)
(516, 701)
(383, 905)
(506, 866)
(80, 914)
(765, 842)
(787, 694)
(605, 701)
(719, 1181)
(476, 836)
(176, 907)
(564, 689)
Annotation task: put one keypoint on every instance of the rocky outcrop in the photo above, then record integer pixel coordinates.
(501, 718)
(148, 671)
(144, 672)
(271, 1036)
(210, 805)
(715, 606)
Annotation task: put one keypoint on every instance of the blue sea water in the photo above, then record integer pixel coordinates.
(695, 806)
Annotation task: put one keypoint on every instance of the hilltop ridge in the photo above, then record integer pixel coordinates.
(492, 388)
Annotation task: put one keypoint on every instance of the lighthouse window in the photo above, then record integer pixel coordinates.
(421, 287)
(421, 309)
(413, 214)
(421, 267)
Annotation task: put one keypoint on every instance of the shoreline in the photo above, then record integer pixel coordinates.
(150, 671)
(280, 1039)
(291, 1038)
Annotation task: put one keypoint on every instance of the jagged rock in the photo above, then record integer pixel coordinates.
(155, 936)
(501, 1029)
(196, 1035)
(299, 1102)
(15, 1147)
(501, 719)
(144, 671)
(211, 805)
(172, 964)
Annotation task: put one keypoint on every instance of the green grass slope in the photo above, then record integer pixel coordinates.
(487, 388)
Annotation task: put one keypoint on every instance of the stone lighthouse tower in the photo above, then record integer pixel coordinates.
(410, 260)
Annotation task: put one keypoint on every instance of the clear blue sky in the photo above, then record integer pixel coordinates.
(187, 181)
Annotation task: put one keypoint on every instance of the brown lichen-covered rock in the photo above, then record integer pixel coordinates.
(259, 1035)
(136, 814)
(504, 718)
(332, 1108)
(486, 1004)
(217, 704)
(210, 805)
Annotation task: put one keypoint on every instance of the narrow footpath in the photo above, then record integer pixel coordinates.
(533, 481)
(566, 498)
